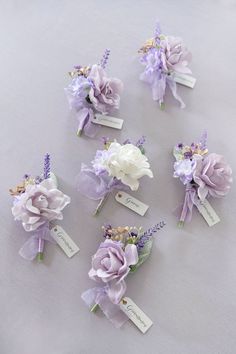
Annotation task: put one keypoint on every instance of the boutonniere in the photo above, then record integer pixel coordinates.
(92, 94)
(116, 167)
(122, 252)
(166, 60)
(204, 175)
(37, 202)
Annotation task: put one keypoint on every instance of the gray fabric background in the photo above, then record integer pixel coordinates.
(188, 286)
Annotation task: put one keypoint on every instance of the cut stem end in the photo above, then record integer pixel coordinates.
(79, 132)
(180, 224)
(39, 256)
(94, 308)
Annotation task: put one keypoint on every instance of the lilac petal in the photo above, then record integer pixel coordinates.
(131, 254)
(116, 291)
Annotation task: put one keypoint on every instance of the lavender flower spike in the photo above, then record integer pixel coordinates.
(46, 166)
(203, 140)
(157, 29)
(105, 57)
(147, 235)
(140, 141)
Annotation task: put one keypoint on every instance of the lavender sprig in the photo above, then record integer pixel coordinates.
(147, 235)
(105, 57)
(157, 33)
(203, 140)
(46, 173)
(127, 141)
(105, 140)
(140, 141)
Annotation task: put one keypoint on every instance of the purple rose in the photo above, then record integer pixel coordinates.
(39, 204)
(175, 56)
(111, 264)
(105, 92)
(213, 175)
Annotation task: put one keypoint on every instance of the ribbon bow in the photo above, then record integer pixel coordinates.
(189, 201)
(35, 243)
(112, 311)
(96, 186)
(85, 117)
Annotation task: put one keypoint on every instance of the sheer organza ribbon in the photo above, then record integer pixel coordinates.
(96, 186)
(112, 311)
(159, 83)
(189, 201)
(85, 116)
(173, 87)
(35, 243)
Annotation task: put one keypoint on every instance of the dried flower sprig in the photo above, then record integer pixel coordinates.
(38, 202)
(201, 173)
(117, 167)
(92, 92)
(120, 254)
(164, 57)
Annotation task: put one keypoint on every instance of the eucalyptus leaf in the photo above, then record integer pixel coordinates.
(144, 253)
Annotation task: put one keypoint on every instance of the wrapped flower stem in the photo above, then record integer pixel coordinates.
(101, 204)
(40, 250)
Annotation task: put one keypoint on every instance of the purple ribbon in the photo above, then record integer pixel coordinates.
(85, 116)
(96, 186)
(173, 87)
(189, 201)
(35, 243)
(112, 311)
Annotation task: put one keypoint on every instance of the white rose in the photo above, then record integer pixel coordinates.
(127, 164)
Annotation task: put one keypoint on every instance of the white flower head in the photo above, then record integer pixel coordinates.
(127, 164)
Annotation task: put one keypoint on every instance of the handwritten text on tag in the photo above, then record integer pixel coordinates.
(131, 203)
(208, 213)
(64, 241)
(135, 314)
(108, 121)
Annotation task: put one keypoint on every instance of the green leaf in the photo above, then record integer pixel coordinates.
(141, 148)
(177, 154)
(143, 255)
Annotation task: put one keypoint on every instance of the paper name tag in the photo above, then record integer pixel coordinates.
(184, 79)
(206, 210)
(64, 241)
(131, 203)
(108, 121)
(135, 314)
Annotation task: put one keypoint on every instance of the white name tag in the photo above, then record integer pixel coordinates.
(135, 314)
(108, 121)
(185, 80)
(131, 203)
(64, 241)
(206, 210)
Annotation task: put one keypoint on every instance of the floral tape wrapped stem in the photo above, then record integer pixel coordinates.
(91, 91)
(117, 167)
(202, 174)
(124, 250)
(37, 203)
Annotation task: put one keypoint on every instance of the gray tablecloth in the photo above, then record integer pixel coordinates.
(188, 286)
